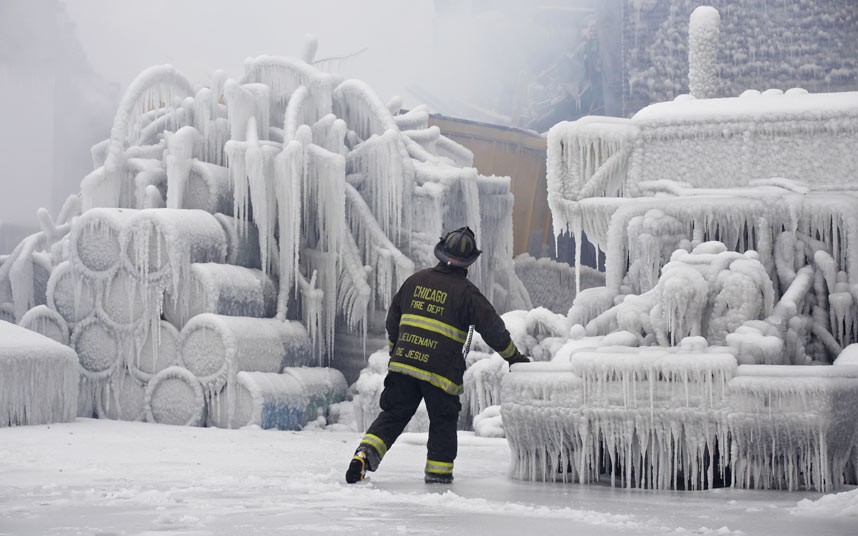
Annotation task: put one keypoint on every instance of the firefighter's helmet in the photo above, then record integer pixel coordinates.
(458, 248)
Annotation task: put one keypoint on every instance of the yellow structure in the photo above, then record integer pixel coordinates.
(519, 154)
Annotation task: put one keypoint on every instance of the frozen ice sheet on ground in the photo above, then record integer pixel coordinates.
(101, 476)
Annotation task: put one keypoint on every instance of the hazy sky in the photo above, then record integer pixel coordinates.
(121, 38)
(64, 65)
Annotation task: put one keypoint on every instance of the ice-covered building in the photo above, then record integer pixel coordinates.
(236, 233)
(714, 352)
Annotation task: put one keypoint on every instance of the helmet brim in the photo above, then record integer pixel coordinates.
(454, 260)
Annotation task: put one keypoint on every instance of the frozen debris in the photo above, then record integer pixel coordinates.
(489, 423)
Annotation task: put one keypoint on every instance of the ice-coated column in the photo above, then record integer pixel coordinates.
(703, 31)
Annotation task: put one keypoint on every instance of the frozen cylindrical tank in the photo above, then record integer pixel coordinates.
(286, 401)
(174, 396)
(216, 347)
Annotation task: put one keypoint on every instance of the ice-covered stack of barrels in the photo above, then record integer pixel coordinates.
(172, 320)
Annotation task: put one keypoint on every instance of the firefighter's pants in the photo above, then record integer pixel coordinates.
(399, 402)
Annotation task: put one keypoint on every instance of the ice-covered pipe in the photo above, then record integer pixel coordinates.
(179, 158)
(121, 398)
(242, 242)
(73, 296)
(38, 378)
(175, 396)
(97, 347)
(159, 351)
(704, 29)
(215, 347)
(286, 401)
(162, 243)
(208, 188)
(96, 245)
(45, 321)
(126, 301)
(222, 289)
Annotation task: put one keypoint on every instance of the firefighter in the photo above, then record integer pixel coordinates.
(427, 326)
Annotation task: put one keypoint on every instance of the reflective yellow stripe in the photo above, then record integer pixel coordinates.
(375, 442)
(436, 326)
(439, 468)
(509, 351)
(438, 381)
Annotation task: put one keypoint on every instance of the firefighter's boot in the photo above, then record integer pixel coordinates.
(435, 478)
(357, 468)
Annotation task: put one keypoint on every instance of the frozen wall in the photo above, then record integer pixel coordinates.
(762, 45)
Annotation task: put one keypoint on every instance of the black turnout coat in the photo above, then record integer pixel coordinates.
(427, 326)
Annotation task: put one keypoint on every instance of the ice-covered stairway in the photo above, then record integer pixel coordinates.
(667, 420)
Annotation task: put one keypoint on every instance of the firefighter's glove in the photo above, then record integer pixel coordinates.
(518, 358)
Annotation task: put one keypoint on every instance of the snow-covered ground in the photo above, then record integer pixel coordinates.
(126, 478)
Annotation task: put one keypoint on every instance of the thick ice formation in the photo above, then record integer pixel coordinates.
(38, 378)
(729, 230)
(667, 420)
(703, 30)
(287, 194)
